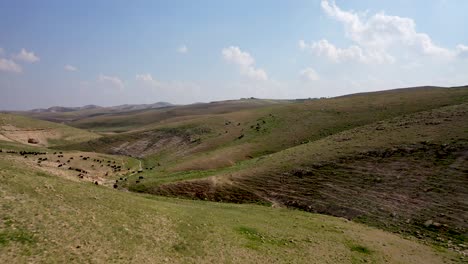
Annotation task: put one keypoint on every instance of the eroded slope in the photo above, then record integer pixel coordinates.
(406, 174)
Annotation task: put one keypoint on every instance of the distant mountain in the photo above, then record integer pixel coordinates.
(62, 109)
(87, 107)
(130, 107)
(125, 107)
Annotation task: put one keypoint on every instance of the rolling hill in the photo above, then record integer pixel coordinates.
(393, 160)
(61, 114)
(221, 137)
(48, 219)
(399, 153)
(406, 174)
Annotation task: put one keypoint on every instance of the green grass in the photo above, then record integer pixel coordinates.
(360, 249)
(45, 218)
(61, 221)
(256, 239)
(156, 177)
(6, 145)
(19, 236)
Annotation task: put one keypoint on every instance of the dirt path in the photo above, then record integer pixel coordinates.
(140, 169)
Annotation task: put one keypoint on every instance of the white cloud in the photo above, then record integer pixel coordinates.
(182, 49)
(69, 67)
(237, 56)
(352, 53)
(245, 63)
(303, 45)
(378, 38)
(462, 51)
(309, 74)
(26, 56)
(147, 78)
(381, 31)
(9, 66)
(113, 80)
(256, 74)
(144, 77)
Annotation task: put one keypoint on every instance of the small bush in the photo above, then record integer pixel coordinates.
(360, 249)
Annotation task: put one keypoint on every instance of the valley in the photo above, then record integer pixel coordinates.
(377, 177)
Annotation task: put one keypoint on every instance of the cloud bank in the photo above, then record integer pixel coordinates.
(378, 39)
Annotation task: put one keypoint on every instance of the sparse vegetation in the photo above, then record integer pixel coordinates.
(360, 249)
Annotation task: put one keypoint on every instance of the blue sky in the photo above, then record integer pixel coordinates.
(75, 53)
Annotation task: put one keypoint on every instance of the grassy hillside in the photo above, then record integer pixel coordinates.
(48, 219)
(115, 120)
(78, 166)
(396, 160)
(15, 128)
(61, 114)
(213, 141)
(405, 174)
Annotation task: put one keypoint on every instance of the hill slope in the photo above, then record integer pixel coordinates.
(217, 140)
(48, 219)
(128, 117)
(396, 160)
(21, 129)
(405, 174)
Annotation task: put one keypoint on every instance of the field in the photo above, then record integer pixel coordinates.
(373, 177)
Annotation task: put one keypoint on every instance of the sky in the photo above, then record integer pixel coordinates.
(111, 52)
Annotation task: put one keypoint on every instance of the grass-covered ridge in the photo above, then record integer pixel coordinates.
(48, 219)
(221, 139)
